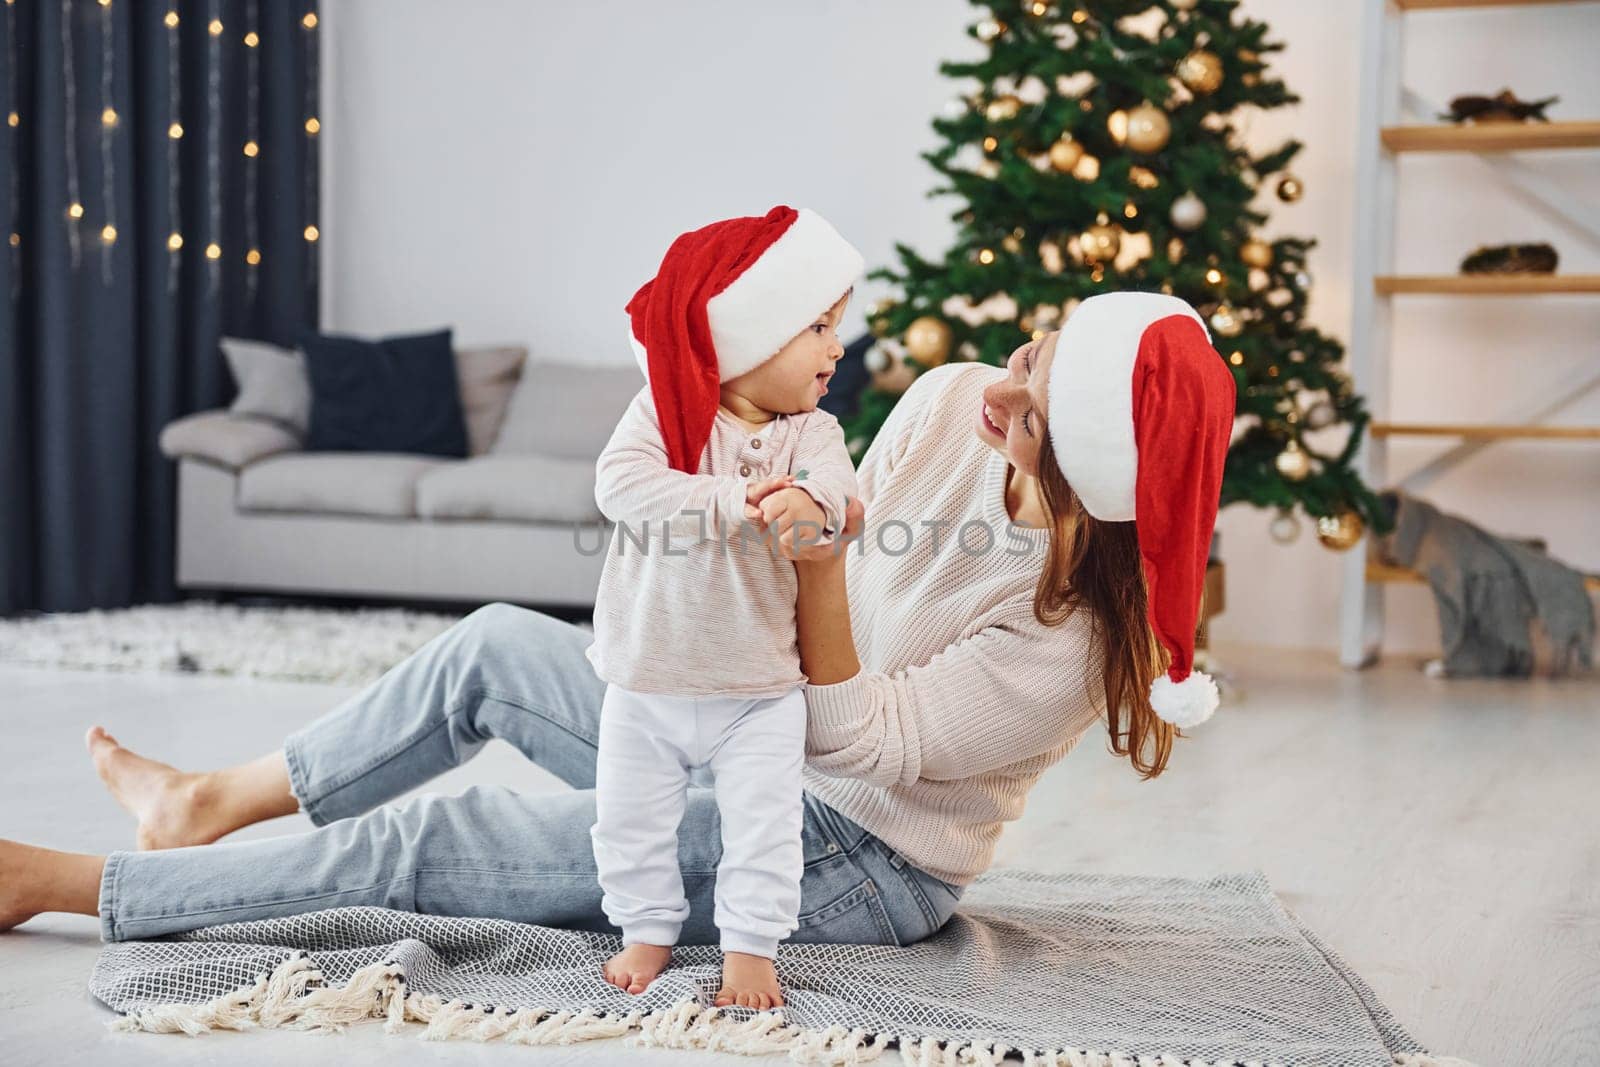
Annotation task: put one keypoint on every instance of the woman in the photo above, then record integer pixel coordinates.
(987, 656)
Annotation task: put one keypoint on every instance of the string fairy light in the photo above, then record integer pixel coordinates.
(70, 89)
(108, 125)
(13, 120)
(252, 147)
(174, 133)
(214, 147)
(312, 127)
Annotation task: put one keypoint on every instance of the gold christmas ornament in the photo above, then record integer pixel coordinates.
(1148, 129)
(1256, 253)
(1117, 126)
(1200, 71)
(1227, 322)
(1340, 532)
(896, 379)
(1087, 169)
(1051, 256)
(1188, 212)
(1290, 189)
(1295, 464)
(1065, 153)
(1100, 243)
(1259, 279)
(1143, 177)
(1002, 108)
(928, 341)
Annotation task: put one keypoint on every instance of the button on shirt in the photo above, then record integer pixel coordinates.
(691, 601)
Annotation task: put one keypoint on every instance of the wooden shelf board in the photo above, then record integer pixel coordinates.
(1491, 137)
(1481, 432)
(1438, 5)
(1388, 572)
(1487, 284)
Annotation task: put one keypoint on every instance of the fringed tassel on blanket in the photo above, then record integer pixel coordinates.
(293, 997)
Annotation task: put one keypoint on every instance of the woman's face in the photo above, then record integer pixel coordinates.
(1011, 417)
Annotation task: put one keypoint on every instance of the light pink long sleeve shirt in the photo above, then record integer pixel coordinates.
(692, 602)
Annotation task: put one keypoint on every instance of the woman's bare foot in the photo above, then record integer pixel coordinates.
(748, 982)
(635, 967)
(171, 806)
(34, 880)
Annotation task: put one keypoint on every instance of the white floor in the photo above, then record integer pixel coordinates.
(1443, 836)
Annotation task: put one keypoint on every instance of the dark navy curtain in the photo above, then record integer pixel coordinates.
(159, 177)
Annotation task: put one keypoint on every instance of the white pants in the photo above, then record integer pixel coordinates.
(754, 748)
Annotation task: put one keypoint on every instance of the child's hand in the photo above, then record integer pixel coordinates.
(786, 509)
(756, 492)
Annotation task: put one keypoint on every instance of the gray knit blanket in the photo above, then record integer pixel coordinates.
(1080, 970)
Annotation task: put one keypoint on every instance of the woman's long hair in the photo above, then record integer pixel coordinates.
(1096, 566)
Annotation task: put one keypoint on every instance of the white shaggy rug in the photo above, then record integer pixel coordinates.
(197, 637)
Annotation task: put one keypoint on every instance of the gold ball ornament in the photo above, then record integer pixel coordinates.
(1200, 71)
(1100, 243)
(1290, 189)
(928, 341)
(1294, 463)
(1256, 253)
(896, 379)
(1117, 126)
(1002, 108)
(1340, 532)
(1143, 177)
(1087, 169)
(1148, 129)
(1227, 322)
(1065, 153)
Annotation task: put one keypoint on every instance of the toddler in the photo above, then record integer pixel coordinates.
(694, 623)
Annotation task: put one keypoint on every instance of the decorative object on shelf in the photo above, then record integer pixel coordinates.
(1341, 530)
(1290, 188)
(1148, 129)
(1502, 107)
(1200, 71)
(928, 341)
(1188, 212)
(1511, 259)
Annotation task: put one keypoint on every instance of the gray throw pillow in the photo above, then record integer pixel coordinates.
(567, 410)
(272, 383)
(487, 377)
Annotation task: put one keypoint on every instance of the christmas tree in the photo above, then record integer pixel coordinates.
(1096, 151)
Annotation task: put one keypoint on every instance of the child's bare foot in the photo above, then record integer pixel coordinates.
(749, 982)
(171, 806)
(635, 967)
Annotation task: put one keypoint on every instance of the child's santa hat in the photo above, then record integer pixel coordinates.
(1141, 410)
(726, 297)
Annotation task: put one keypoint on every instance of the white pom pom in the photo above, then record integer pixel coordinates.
(1186, 703)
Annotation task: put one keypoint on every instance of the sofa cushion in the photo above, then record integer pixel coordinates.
(566, 410)
(366, 483)
(272, 382)
(225, 439)
(487, 377)
(511, 488)
(392, 394)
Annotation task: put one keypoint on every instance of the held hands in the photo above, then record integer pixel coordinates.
(797, 521)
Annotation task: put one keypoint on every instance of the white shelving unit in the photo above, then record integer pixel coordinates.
(1386, 106)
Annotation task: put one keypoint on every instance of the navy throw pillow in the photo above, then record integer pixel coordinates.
(398, 394)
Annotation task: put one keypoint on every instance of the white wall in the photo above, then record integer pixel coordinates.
(516, 168)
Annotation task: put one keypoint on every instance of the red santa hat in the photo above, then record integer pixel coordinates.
(1140, 414)
(726, 297)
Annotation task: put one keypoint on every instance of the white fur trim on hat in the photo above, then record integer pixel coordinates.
(1091, 397)
(1186, 703)
(802, 274)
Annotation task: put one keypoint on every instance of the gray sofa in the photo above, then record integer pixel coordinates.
(514, 521)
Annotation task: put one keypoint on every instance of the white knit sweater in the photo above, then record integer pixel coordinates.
(963, 698)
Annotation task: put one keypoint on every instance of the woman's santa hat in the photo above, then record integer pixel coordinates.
(726, 298)
(1140, 413)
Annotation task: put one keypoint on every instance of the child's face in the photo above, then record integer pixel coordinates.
(797, 377)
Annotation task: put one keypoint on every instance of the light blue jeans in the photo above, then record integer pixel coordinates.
(514, 674)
